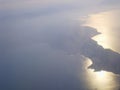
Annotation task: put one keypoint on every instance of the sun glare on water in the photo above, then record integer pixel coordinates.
(107, 23)
(100, 80)
(101, 74)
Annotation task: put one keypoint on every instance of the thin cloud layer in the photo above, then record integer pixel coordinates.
(47, 51)
(24, 5)
(50, 57)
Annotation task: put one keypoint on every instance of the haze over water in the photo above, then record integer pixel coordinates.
(107, 23)
(59, 45)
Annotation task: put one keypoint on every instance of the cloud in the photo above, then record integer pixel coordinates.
(46, 52)
(51, 57)
(32, 64)
(34, 54)
(36, 5)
